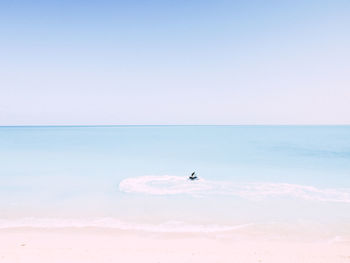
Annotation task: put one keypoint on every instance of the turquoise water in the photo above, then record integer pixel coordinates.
(248, 174)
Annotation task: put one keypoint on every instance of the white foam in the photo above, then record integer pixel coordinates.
(172, 185)
(107, 222)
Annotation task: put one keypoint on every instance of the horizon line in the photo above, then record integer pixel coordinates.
(144, 125)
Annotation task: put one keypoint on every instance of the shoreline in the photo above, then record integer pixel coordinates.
(106, 245)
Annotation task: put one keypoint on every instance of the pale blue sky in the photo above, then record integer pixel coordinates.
(174, 62)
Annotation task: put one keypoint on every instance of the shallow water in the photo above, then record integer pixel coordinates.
(137, 176)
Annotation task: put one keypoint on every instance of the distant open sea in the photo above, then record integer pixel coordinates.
(264, 179)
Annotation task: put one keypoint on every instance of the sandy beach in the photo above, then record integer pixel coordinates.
(103, 245)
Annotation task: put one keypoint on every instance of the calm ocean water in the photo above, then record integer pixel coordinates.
(135, 177)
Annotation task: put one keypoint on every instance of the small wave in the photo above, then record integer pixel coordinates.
(113, 223)
(172, 185)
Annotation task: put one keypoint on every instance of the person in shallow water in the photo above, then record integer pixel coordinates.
(193, 176)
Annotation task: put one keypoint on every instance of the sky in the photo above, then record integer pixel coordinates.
(174, 62)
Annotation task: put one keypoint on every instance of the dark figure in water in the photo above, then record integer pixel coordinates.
(193, 176)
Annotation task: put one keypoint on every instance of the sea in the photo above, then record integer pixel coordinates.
(270, 182)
